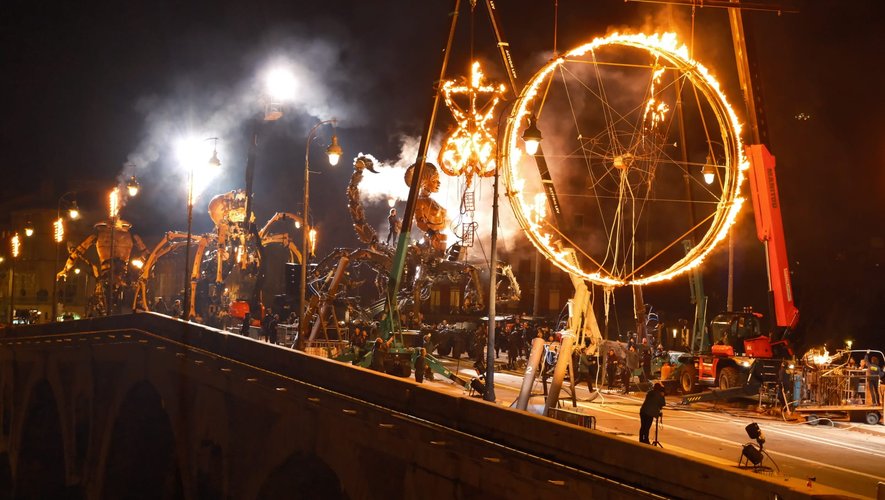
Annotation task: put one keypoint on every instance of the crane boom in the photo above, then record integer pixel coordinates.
(770, 231)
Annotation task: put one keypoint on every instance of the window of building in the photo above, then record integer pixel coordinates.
(435, 299)
(455, 298)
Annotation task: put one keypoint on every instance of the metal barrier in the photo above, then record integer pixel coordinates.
(573, 417)
(325, 348)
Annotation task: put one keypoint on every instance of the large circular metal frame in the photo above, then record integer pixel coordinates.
(540, 232)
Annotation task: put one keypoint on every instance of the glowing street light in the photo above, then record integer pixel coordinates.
(59, 236)
(532, 136)
(29, 229)
(280, 84)
(334, 152)
(74, 211)
(188, 156)
(709, 171)
(132, 186)
(15, 250)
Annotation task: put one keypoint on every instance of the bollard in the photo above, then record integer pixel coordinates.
(531, 370)
(562, 362)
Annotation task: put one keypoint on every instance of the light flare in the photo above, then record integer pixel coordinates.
(195, 156)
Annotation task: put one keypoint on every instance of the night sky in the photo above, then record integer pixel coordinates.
(88, 87)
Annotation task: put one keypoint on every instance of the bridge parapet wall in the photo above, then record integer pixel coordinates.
(247, 416)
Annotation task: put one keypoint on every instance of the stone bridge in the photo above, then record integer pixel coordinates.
(145, 406)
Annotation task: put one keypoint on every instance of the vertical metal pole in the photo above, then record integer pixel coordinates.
(735, 17)
(729, 300)
(305, 233)
(305, 239)
(537, 299)
(186, 307)
(12, 292)
(55, 268)
(391, 323)
(110, 291)
(493, 281)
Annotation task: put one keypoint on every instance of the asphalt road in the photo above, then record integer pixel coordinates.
(848, 456)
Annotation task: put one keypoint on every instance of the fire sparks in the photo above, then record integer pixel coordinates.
(666, 51)
(59, 230)
(114, 203)
(16, 245)
(655, 110)
(470, 148)
(312, 238)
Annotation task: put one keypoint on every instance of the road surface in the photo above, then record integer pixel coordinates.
(849, 456)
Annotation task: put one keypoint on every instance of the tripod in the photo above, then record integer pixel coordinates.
(656, 442)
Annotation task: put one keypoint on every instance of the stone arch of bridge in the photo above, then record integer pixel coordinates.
(40, 464)
(141, 459)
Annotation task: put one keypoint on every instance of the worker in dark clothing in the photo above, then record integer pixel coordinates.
(582, 361)
(420, 364)
(650, 410)
(874, 374)
(611, 368)
(244, 328)
(631, 360)
(394, 226)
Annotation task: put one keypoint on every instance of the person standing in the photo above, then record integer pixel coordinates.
(645, 358)
(632, 362)
(393, 225)
(611, 367)
(272, 328)
(874, 374)
(420, 364)
(651, 409)
(247, 322)
(582, 362)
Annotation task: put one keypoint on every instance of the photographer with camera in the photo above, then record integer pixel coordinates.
(650, 410)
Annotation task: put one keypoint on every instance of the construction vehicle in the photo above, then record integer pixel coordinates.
(741, 357)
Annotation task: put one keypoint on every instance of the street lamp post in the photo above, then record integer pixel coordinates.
(213, 162)
(59, 236)
(113, 210)
(15, 251)
(132, 188)
(334, 153)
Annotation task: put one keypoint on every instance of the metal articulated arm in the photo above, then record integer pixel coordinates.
(77, 254)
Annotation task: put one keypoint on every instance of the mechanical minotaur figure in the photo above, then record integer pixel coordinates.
(394, 226)
(430, 216)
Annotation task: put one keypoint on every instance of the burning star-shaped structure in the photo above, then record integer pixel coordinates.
(470, 148)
